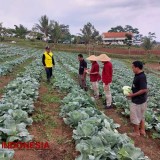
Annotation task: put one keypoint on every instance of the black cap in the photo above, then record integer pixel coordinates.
(47, 47)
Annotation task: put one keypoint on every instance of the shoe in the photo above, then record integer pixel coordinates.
(134, 134)
(96, 97)
(107, 107)
(143, 134)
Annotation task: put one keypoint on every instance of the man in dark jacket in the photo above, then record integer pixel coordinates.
(82, 73)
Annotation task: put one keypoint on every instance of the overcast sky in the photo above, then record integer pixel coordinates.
(103, 14)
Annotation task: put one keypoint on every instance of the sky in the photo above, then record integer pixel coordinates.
(103, 14)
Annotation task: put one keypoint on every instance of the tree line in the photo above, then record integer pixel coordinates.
(51, 30)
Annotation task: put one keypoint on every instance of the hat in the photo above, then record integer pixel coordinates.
(103, 57)
(92, 58)
(47, 47)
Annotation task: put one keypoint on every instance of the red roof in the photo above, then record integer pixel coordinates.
(115, 34)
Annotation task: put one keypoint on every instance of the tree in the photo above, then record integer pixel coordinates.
(59, 32)
(89, 34)
(10, 31)
(44, 25)
(127, 28)
(2, 32)
(20, 31)
(55, 32)
(65, 32)
(148, 43)
(117, 29)
(77, 39)
(128, 41)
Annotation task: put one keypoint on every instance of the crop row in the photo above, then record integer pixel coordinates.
(123, 77)
(17, 104)
(94, 133)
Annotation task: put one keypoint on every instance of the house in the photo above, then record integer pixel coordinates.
(114, 37)
(31, 35)
(137, 39)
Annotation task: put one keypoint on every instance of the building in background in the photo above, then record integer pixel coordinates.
(116, 38)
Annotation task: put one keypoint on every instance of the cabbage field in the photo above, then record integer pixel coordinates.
(95, 135)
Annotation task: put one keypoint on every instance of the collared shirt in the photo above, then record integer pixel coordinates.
(82, 65)
(107, 73)
(95, 68)
(139, 83)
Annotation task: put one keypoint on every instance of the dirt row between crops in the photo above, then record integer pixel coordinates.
(49, 127)
(4, 80)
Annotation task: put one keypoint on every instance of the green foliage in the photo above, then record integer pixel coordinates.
(6, 154)
(40, 116)
(56, 32)
(89, 33)
(44, 25)
(49, 98)
(127, 28)
(129, 152)
(148, 43)
(20, 31)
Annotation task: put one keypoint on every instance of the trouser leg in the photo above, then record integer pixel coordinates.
(95, 88)
(84, 84)
(48, 74)
(80, 80)
(50, 71)
(108, 95)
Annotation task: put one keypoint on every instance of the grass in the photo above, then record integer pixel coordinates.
(47, 120)
(26, 43)
(49, 98)
(61, 140)
(40, 116)
(2, 90)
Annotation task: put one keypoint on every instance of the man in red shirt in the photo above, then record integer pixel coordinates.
(106, 78)
(94, 75)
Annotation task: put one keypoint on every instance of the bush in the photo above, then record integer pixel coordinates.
(1, 38)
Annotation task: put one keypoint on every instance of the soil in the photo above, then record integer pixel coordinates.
(59, 136)
(154, 66)
(4, 80)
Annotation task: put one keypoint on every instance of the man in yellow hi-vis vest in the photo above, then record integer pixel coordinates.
(48, 62)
